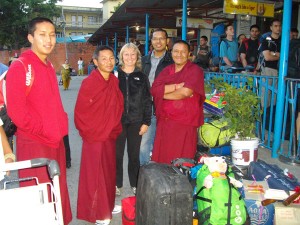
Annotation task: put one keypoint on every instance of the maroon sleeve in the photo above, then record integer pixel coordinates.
(194, 79)
(158, 88)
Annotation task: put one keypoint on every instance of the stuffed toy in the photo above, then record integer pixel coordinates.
(218, 200)
(217, 167)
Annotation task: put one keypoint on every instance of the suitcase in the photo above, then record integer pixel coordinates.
(164, 196)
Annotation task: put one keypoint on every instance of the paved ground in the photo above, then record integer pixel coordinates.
(69, 98)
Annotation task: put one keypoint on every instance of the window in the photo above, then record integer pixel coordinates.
(80, 21)
(91, 20)
(73, 18)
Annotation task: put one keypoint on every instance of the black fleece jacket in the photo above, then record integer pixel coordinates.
(137, 98)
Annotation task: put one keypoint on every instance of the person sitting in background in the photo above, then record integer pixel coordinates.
(65, 75)
(203, 56)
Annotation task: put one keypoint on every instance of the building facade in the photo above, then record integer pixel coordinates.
(75, 21)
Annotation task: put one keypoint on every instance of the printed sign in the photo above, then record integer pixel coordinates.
(249, 8)
(196, 23)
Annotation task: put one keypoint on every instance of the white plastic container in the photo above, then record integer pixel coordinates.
(244, 151)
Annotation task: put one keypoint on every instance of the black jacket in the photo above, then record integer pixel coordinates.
(137, 98)
(165, 61)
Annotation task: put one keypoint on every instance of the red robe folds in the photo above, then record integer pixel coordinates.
(177, 120)
(98, 114)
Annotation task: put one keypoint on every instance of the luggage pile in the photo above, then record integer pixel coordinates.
(208, 190)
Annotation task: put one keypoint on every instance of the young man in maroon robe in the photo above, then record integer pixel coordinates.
(34, 104)
(178, 94)
(98, 112)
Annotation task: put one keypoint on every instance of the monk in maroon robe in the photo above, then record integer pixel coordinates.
(98, 112)
(178, 94)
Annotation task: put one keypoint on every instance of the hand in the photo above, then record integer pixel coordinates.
(180, 85)
(8, 160)
(143, 129)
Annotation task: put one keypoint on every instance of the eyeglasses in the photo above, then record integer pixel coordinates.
(158, 39)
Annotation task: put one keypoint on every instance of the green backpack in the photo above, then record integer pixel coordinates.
(215, 133)
(222, 204)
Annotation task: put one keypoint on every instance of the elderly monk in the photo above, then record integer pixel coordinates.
(98, 112)
(178, 94)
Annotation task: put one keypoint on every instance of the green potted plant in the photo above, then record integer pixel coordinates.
(242, 111)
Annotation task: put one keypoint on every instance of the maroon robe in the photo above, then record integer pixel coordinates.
(177, 120)
(98, 114)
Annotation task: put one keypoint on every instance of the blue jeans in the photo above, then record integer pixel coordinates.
(147, 142)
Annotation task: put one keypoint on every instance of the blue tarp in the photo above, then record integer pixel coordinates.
(80, 38)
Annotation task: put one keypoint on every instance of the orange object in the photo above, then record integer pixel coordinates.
(195, 222)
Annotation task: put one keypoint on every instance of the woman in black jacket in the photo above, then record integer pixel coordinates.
(136, 117)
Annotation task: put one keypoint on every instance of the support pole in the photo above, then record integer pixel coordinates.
(184, 20)
(127, 34)
(116, 44)
(284, 54)
(147, 35)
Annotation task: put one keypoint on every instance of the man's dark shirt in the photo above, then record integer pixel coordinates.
(251, 52)
(273, 46)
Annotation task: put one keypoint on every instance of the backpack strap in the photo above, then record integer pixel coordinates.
(196, 196)
(30, 74)
(229, 203)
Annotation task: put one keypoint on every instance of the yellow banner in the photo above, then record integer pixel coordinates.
(249, 8)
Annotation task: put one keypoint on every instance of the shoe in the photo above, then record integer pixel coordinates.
(102, 222)
(118, 191)
(117, 209)
(68, 165)
(133, 190)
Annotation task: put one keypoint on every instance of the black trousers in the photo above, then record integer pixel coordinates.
(130, 133)
(67, 147)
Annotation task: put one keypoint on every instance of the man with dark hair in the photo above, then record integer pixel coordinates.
(228, 49)
(97, 116)
(203, 54)
(249, 48)
(270, 48)
(178, 95)
(34, 104)
(294, 33)
(152, 65)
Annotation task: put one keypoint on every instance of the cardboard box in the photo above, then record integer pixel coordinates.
(289, 215)
(253, 193)
(260, 215)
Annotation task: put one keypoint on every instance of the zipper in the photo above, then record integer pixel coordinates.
(127, 94)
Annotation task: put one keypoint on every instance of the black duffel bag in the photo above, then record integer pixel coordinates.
(9, 127)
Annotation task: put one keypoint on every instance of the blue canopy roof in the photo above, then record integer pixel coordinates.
(80, 38)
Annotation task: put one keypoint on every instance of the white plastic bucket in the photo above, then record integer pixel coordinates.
(244, 151)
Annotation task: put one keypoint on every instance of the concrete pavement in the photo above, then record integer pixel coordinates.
(69, 99)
